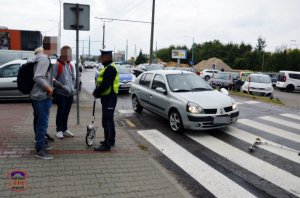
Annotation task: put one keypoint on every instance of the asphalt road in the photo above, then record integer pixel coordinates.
(291, 100)
(217, 163)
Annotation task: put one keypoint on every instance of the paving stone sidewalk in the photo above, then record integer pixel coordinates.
(76, 170)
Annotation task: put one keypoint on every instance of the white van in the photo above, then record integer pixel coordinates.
(288, 80)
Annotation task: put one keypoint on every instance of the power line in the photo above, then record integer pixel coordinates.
(126, 20)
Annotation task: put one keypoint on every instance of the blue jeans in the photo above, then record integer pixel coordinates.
(41, 116)
(64, 104)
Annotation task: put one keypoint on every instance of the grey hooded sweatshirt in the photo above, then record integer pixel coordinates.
(42, 77)
(64, 83)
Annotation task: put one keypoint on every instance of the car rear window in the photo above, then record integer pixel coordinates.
(281, 77)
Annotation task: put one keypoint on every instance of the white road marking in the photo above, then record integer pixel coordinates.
(212, 180)
(250, 138)
(291, 116)
(282, 122)
(252, 102)
(125, 111)
(272, 130)
(238, 103)
(277, 176)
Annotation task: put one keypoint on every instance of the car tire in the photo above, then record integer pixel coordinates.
(175, 122)
(290, 88)
(207, 78)
(136, 105)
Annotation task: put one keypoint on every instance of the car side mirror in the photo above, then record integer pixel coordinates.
(224, 91)
(161, 90)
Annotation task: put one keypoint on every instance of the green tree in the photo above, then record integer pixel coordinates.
(141, 58)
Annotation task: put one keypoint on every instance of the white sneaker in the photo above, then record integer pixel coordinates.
(68, 133)
(60, 135)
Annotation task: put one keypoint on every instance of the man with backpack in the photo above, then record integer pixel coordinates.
(63, 73)
(40, 95)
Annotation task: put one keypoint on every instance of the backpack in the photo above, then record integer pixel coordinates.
(25, 80)
(25, 77)
(60, 68)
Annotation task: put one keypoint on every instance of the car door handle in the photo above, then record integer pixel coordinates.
(150, 96)
(14, 81)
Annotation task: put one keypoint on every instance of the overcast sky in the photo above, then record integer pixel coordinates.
(176, 22)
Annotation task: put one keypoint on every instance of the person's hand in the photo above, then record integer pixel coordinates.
(49, 91)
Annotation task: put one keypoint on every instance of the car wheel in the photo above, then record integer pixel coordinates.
(136, 105)
(175, 121)
(206, 78)
(290, 88)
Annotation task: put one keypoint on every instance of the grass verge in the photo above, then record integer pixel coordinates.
(253, 97)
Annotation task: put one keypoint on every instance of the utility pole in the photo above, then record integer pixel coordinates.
(103, 39)
(152, 32)
(126, 59)
(89, 48)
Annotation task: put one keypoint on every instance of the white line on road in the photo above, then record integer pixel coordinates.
(125, 111)
(215, 182)
(263, 169)
(282, 122)
(250, 138)
(272, 130)
(291, 116)
(252, 102)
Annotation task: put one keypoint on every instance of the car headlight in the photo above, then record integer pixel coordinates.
(193, 108)
(269, 88)
(234, 105)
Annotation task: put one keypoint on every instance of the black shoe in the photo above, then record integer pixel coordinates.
(102, 148)
(49, 138)
(111, 144)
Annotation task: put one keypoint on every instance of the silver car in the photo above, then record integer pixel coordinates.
(8, 80)
(183, 98)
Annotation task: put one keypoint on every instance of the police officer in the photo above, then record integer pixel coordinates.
(107, 89)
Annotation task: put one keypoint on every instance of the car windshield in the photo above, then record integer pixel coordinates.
(154, 67)
(123, 70)
(260, 79)
(186, 82)
(223, 76)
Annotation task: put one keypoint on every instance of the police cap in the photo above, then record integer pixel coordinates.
(106, 52)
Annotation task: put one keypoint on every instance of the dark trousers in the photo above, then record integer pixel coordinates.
(41, 110)
(109, 103)
(64, 104)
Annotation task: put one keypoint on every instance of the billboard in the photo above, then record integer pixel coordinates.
(4, 40)
(179, 54)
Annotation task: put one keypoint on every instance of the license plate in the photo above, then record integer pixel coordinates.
(125, 85)
(222, 120)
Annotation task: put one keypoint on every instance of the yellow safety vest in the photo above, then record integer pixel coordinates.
(116, 81)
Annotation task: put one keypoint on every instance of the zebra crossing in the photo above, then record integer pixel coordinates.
(285, 177)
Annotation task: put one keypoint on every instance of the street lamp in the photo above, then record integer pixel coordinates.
(192, 49)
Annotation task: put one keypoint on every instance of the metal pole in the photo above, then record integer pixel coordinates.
(89, 49)
(263, 60)
(152, 32)
(77, 61)
(59, 30)
(193, 51)
(126, 50)
(103, 45)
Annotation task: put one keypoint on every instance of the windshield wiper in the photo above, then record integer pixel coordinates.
(201, 89)
(181, 90)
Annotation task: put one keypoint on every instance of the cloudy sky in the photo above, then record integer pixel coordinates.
(176, 22)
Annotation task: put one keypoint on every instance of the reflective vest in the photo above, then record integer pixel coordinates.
(115, 83)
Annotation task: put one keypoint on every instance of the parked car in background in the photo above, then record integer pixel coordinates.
(258, 84)
(8, 80)
(89, 64)
(274, 77)
(146, 67)
(125, 77)
(288, 81)
(227, 80)
(208, 74)
(244, 75)
(186, 100)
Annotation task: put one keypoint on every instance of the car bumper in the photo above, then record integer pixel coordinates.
(280, 84)
(205, 122)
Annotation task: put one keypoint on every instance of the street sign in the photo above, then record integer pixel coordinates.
(179, 54)
(70, 17)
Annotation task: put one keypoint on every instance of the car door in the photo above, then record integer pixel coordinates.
(144, 89)
(158, 100)
(8, 81)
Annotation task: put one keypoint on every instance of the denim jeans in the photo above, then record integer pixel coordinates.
(64, 104)
(41, 117)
